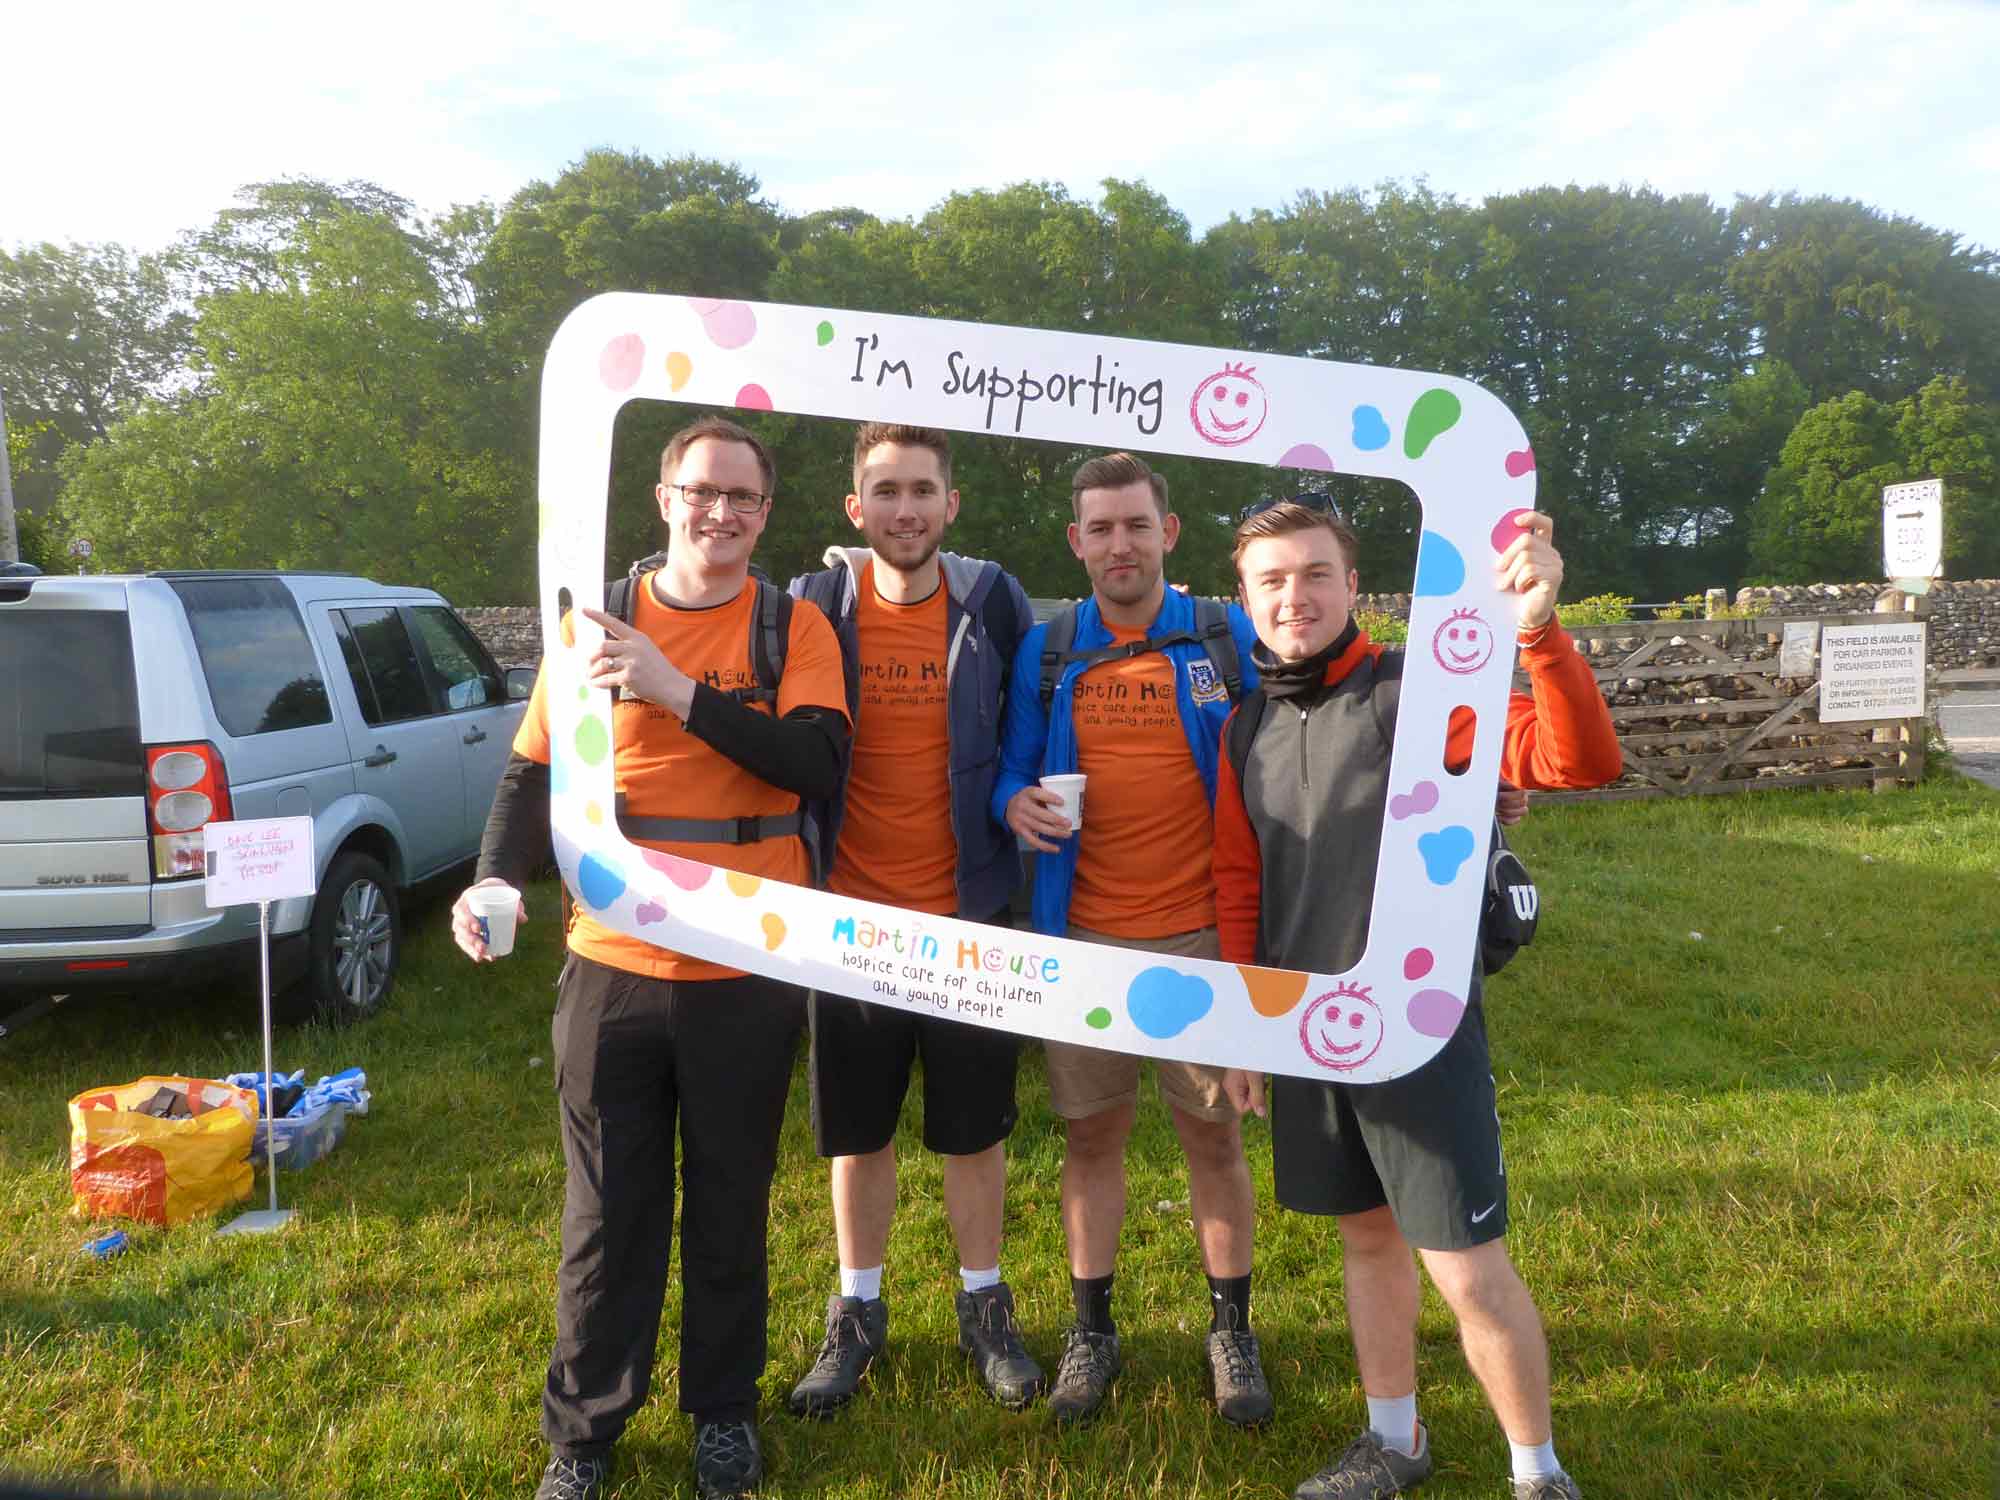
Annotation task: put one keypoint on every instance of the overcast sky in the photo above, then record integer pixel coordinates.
(132, 122)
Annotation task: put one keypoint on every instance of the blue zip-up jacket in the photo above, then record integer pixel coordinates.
(976, 668)
(1037, 744)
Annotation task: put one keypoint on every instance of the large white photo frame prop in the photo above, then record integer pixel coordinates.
(1458, 448)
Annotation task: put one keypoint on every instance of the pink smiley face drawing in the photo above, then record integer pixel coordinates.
(1229, 407)
(1342, 1029)
(1464, 643)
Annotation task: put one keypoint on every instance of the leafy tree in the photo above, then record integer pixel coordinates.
(1853, 299)
(343, 417)
(1718, 471)
(620, 222)
(86, 333)
(38, 542)
(1820, 515)
(1613, 336)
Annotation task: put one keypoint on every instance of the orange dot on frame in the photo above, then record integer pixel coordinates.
(1272, 991)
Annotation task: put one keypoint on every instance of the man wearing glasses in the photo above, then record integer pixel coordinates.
(1416, 1161)
(710, 765)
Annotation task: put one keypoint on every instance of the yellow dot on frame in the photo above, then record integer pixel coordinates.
(595, 813)
(743, 885)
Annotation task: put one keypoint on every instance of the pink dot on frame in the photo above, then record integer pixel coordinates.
(1505, 532)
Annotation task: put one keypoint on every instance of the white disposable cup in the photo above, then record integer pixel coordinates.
(494, 908)
(1070, 789)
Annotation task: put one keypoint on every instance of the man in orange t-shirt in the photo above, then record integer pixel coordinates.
(933, 635)
(649, 1041)
(1143, 727)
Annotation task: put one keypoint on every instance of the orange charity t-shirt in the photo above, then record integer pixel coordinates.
(896, 840)
(662, 771)
(1142, 859)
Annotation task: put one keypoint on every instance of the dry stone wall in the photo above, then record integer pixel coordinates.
(1964, 618)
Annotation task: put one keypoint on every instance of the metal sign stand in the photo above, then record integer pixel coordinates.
(264, 1220)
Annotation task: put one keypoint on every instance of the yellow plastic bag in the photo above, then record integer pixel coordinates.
(160, 1171)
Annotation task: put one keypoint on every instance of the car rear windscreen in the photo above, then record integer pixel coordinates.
(69, 710)
(260, 666)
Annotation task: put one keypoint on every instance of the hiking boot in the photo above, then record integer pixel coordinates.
(855, 1333)
(1083, 1378)
(1367, 1471)
(727, 1460)
(1549, 1487)
(573, 1478)
(1236, 1374)
(991, 1339)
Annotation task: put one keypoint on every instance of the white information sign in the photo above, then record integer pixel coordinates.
(1795, 657)
(1871, 672)
(262, 860)
(1913, 531)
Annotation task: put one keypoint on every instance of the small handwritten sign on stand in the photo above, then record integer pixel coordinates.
(261, 860)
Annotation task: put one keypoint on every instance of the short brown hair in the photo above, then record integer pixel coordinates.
(1113, 471)
(871, 435)
(720, 430)
(1287, 517)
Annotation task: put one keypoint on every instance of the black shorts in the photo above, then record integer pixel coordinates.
(1426, 1144)
(860, 1069)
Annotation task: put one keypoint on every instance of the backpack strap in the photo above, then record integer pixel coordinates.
(618, 597)
(1388, 669)
(1001, 625)
(711, 830)
(1241, 731)
(770, 634)
(1211, 619)
(1055, 651)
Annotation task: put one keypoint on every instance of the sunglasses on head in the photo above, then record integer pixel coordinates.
(1312, 500)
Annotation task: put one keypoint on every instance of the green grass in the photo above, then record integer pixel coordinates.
(1756, 1185)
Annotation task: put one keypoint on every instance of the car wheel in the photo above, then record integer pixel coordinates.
(356, 940)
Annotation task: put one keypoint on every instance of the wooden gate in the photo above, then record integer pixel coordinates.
(1700, 709)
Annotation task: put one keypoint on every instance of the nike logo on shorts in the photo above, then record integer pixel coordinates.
(1484, 1212)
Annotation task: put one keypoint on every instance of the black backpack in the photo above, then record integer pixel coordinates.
(770, 634)
(1211, 633)
(1511, 906)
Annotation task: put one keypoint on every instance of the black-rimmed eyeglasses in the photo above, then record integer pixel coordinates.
(704, 496)
(1311, 499)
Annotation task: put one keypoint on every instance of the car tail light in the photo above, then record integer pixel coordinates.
(186, 789)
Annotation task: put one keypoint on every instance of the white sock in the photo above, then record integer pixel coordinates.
(867, 1285)
(1535, 1460)
(1394, 1422)
(979, 1281)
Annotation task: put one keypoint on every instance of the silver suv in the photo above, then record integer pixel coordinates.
(136, 709)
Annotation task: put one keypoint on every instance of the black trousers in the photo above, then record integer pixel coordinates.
(635, 1056)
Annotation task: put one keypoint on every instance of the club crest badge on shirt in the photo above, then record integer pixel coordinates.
(1203, 684)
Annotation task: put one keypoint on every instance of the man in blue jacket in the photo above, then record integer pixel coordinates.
(1137, 705)
(931, 636)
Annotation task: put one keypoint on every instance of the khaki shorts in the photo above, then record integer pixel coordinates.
(1084, 1081)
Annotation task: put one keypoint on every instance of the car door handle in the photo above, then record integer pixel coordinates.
(475, 736)
(382, 756)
